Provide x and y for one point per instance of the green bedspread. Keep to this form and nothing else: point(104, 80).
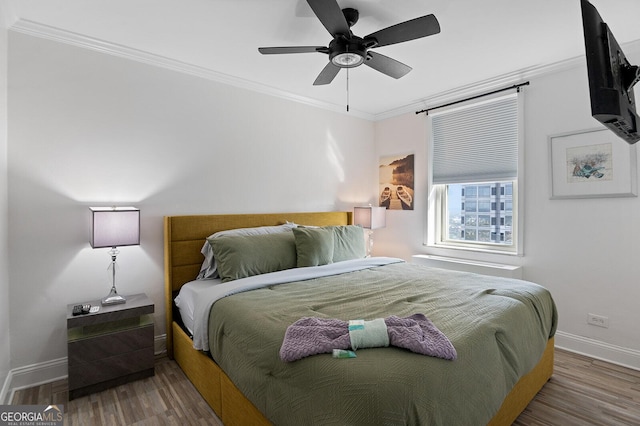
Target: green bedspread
point(498, 326)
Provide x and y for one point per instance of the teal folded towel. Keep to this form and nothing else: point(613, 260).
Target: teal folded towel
point(368, 334)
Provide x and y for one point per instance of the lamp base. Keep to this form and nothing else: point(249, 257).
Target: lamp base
point(370, 242)
point(113, 298)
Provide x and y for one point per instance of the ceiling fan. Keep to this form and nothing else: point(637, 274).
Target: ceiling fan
point(347, 50)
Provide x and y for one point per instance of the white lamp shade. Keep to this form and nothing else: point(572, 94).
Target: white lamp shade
point(115, 226)
point(370, 217)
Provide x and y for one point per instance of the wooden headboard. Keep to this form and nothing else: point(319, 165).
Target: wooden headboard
point(185, 235)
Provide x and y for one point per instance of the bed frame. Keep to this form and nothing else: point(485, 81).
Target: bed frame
point(183, 239)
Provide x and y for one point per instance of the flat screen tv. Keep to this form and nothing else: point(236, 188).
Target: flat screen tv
point(611, 77)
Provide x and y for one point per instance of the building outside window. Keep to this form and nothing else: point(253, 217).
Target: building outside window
point(480, 212)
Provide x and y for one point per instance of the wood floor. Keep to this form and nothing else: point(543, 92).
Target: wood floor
point(168, 398)
point(582, 391)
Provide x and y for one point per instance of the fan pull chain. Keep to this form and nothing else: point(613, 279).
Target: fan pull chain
point(347, 89)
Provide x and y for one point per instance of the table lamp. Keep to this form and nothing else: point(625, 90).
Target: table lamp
point(369, 218)
point(114, 227)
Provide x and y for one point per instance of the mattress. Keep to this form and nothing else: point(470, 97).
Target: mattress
point(498, 326)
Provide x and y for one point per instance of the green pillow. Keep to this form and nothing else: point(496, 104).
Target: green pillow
point(240, 256)
point(348, 243)
point(314, 246)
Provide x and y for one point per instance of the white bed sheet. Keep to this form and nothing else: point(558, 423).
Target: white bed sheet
point(186, 299)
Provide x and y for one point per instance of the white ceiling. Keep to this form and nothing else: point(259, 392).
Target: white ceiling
point(480, 40)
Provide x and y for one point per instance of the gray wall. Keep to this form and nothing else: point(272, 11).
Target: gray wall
point(87, 128)
point(4, 253)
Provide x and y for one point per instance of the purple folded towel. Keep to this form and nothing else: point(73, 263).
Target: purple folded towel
point(311, 336)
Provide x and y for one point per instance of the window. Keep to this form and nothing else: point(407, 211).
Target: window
point(474, 166)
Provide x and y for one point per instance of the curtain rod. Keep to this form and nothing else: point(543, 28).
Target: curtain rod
point(515, 86)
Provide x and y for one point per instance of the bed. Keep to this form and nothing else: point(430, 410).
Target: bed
point(228, 378)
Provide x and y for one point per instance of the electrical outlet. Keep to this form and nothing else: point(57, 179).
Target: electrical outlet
point(598, 320)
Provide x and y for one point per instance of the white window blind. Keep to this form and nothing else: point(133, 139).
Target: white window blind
point(476, 143)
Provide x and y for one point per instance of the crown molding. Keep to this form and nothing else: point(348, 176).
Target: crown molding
point(62, 36)
point(495, 83)
point(480, 87)
point(47, 32)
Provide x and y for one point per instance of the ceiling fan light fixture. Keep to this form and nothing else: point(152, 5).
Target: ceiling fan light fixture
point(347, 60)
point(347, 50)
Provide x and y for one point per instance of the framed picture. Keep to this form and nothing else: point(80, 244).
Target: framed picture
point(395, 188)
point(592, 163)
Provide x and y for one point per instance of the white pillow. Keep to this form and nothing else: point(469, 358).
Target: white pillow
point(209, 268)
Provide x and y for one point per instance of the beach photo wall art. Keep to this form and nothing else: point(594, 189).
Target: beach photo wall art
point(396, 183)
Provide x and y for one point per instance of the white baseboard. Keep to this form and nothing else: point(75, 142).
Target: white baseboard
point(35, 375)
point(625, 357)
point(4, 391)
point(160, 344)
point(50, 371)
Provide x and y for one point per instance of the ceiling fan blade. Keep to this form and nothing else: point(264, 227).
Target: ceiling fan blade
point(409, 30)
point(387, 66)
point(331, 16)
point(327, 74)
point(291, 49)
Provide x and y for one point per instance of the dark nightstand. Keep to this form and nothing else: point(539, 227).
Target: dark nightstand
point(110, 347)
